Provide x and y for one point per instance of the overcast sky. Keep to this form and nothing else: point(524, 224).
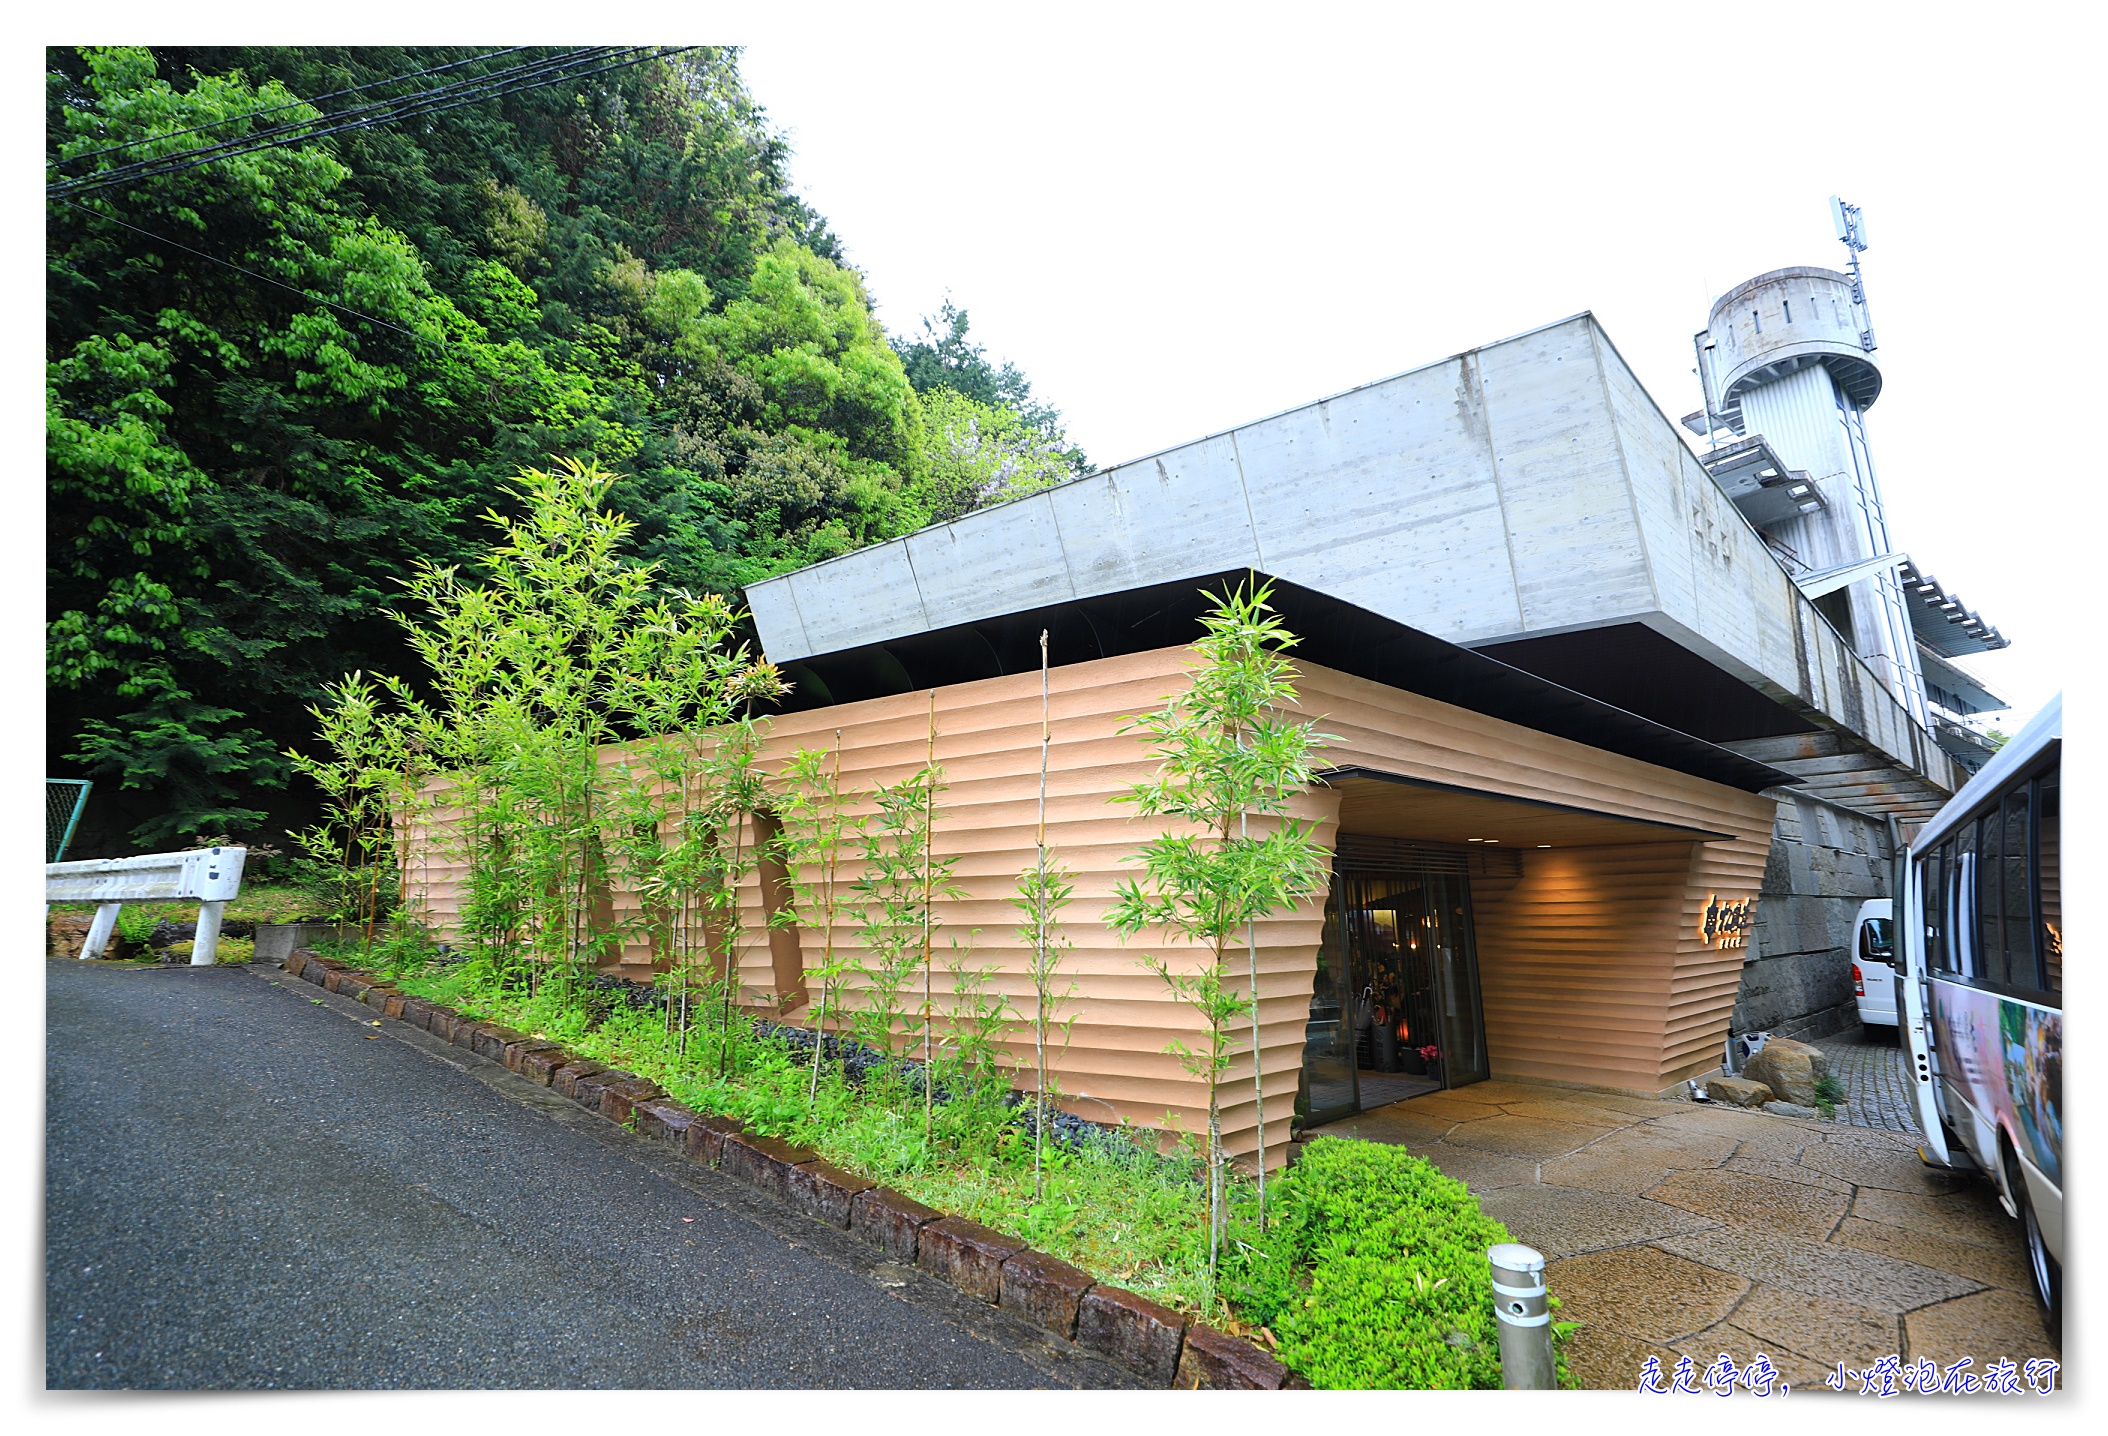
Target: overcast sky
point(1182, 223)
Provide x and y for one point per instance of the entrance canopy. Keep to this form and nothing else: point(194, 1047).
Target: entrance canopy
point(1383, 805)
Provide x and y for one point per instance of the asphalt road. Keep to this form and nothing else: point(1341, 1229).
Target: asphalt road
point(243, 1189)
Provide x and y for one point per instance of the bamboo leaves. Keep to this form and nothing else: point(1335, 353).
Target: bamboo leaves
point(817, 828)
point(1225, 753)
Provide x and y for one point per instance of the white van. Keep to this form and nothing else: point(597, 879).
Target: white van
point(1873, 968)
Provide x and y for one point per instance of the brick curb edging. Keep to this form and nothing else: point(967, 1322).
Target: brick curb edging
point(1132, 1330)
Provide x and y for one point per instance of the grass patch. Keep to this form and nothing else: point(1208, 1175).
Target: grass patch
point(259, 902)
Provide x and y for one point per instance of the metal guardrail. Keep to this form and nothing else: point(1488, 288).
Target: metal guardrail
point(210, 877)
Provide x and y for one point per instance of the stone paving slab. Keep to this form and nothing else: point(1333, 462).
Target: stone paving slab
point(1529, 1137)
point(1581, 1114)
point(1636, 1159)
point(1606, 1360)
point(1440, 1106)
point(1822, 1330)
point(1749, 1201)
point(2007, 1268)
point(1736, 1122)
point(1971, 1215)
point(1789, 1171)
point(1676, 1228)
point(1639, 1108)
point(1772, 1141)
point(1614, 1171)
point(1566, 1221)
point(1887, 1168)
point(1480, 1171)
point(1822, 1269)
point(1644, 1293)
point(1986, 1325)
point(1499, 1091)
point(1741, 1346)
point(1398, 1125)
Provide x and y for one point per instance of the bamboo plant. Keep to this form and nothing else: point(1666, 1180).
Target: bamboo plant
point(1226, 753)
point(1043, 890)
point(817, 828)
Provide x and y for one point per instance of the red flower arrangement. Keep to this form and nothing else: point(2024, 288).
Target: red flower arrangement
point(1431, 1052)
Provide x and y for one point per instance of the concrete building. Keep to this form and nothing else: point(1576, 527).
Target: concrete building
point(1613, 762)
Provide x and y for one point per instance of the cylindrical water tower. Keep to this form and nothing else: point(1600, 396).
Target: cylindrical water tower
point(1788, 355)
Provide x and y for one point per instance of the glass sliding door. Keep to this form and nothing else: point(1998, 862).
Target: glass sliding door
point(1456, 973)
point(1328, 1039)
point(1397, 975)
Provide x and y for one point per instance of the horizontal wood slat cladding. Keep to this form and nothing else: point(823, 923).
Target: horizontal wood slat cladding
point(1588, 939)
point(1591, 968)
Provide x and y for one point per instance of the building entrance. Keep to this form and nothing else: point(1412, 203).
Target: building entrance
point(1397, 976)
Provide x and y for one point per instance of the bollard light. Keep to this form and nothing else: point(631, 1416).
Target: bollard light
point(1523, 1305)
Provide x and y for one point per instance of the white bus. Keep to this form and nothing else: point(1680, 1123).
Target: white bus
point(1982, 987)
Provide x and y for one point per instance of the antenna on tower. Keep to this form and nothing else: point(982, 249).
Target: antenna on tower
point(1851, 230)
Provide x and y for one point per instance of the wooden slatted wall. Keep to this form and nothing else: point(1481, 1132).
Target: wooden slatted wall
point(1536, 967)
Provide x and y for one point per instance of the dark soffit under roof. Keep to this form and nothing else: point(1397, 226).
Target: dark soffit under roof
point(1334, 634)
point(1630, 666)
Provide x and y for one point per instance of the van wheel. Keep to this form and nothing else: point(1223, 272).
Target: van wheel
point(2047, 1271)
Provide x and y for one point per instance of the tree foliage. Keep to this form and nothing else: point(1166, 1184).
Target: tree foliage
point(279, 384)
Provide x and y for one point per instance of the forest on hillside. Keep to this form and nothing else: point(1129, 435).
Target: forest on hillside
point(286, 365)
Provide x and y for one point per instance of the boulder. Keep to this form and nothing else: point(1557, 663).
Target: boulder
point(1790, 1069)
point(1738, 1091)
point(1791, 1109)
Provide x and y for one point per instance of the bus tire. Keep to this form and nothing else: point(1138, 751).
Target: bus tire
point(2047, 1271)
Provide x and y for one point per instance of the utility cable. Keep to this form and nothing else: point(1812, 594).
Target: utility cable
point(423, 104)
point(493, 85)
point(288, 105)
point(242, 269)
point(400, 102)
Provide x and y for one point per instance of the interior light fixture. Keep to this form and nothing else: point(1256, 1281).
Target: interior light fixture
point(1544, 845)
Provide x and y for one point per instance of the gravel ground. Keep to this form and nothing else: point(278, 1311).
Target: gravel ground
point(243, 1189)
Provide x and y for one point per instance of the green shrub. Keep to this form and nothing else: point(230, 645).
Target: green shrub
point(1372, 1272)
point(135, 923)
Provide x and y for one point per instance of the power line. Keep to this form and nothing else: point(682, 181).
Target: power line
point(242, 269)
point(321, 125)
point(288, 105)
point(438, 100)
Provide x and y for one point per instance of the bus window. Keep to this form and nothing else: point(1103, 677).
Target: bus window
point(2019, 907)
point(1932, 886)
point(1961, 899)
point(1990, 964)
point(2048, 883)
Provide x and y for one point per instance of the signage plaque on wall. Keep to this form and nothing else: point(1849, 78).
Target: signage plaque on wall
point(1726, 921)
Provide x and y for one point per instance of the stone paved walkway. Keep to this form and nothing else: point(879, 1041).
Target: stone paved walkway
point(1876, 1080)
point(1680, 1229)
